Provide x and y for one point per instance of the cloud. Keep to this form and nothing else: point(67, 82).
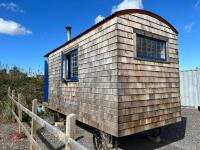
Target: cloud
point(10, 27)
point(98, 19)
point(125, 4)
point(128, 4)
point(11, 6)
point(197, 4)
point(188, 27)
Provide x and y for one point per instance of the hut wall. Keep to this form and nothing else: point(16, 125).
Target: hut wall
point(118, 93)
point(148, 91)
point(94, 98)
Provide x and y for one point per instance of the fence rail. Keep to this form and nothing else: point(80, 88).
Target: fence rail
point(66, 138)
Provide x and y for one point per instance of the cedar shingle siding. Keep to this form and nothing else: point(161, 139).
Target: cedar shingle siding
point(118, 92)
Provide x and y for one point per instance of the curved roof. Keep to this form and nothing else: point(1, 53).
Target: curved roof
point(116, 14)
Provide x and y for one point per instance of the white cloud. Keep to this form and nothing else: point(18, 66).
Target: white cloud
point(125, 4)
point(10, 27)
point(197, 4)
point(98, 19)
point(12, 7)
point(188, 27)
point(128, 4)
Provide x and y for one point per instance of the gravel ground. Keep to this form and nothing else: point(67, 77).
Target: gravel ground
point(9, 143)
point(82, 136)
point(184, 135)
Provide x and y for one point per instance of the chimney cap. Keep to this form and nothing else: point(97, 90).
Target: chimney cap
point(68, 27)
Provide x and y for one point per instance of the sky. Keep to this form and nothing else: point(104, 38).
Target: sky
point(31, 28)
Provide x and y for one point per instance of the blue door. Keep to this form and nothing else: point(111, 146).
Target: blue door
point(46, 80)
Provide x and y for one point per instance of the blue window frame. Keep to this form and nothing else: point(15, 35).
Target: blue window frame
point(150, 48)
point(69, 66)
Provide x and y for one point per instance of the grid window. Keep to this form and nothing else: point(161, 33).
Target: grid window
point(150, 48)
point(74, 61)
point(70, 63)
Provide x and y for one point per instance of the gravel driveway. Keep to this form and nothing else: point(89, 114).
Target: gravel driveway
point(9, 138)
point(184, 135)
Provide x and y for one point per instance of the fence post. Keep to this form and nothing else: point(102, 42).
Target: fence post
point(20, 111)
point(70, 128)
point(13, 105)
point(33, 123)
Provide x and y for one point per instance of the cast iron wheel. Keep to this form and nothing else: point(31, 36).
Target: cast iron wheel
point(96, 140)
point(104, 141)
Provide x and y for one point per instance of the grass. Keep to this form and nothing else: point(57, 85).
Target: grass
point(5, 108)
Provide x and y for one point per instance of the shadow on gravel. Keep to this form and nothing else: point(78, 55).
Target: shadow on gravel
point(169, 134)
point(79, 138)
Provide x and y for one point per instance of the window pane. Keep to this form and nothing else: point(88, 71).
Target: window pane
point(74, 57)
point(153, 42)
point(150, 48)
point(158, 50)
point(67, 67)
point(139, 46)
point(143, 50)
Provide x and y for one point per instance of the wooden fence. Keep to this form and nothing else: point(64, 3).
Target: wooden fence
point(66, 138)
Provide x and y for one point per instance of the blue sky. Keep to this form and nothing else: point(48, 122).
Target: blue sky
point(31, 28)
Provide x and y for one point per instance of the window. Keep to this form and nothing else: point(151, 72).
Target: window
point(150, 48)
point(69, 67)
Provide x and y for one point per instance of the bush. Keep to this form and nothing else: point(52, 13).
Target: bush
point(7, 107)
point(30, 85)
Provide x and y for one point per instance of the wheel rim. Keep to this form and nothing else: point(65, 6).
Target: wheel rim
point(104, 141)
